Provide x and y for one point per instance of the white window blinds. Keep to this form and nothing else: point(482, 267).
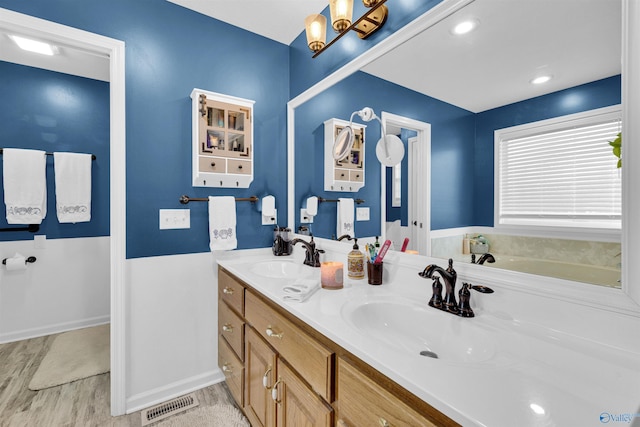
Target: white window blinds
point(560, 174)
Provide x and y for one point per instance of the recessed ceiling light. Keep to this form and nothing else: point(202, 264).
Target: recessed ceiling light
point(34, 45)
point(541, 79)
point(465, 27)
point(537, 409)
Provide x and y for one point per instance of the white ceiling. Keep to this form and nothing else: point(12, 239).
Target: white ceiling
point(279, 20)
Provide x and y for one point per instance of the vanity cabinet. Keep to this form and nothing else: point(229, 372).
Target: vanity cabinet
point(287, 374)
point(222, 140)
point(348, 174)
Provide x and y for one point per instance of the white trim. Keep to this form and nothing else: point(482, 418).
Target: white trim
point(158, 395)
point(115, 49)
point(25, 334)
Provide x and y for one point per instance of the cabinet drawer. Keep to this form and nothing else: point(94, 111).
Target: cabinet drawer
point(311, 359)
point(362, 402)
point(239, 166)
point(341, 175)
point(231, 291)
point(211, 164)
point(356, 176)
point(231, 327)
point(232, 369)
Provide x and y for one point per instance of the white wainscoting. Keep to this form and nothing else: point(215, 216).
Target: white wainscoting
point(172, 312)
point(66, 288)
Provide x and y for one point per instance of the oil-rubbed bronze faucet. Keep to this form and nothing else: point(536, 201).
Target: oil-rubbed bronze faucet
point(312, 255)
point(449, 304)
point(484, 257)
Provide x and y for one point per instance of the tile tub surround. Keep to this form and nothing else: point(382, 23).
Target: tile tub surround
point(604, 254)
point(557, 355)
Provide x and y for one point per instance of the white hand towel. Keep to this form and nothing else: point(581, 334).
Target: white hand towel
point(344, 224)
point(25, 185)
point(300, 290)
point(222, 223)
point(73, 186)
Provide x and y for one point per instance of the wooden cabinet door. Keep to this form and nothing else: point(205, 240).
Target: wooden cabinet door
point(260, 370)
point(297, 405)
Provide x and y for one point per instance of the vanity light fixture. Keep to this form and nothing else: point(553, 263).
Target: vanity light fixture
point(34, 45)
point(341, 22)
point(465, 27)
point(541, 79)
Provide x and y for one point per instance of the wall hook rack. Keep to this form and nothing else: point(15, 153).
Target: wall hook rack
point(357, 201)
point(32, 228)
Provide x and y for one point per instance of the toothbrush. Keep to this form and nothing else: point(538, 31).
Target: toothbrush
point(383, 251)
point(405, 244)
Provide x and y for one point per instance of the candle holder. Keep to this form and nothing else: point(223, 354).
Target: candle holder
point(332, 274)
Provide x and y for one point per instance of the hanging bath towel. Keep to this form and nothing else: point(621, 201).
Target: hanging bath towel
point(25, 185)
point(73, 187)
point(345, 217)
point(222, 223)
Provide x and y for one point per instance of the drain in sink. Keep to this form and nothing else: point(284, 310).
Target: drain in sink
point(428, 353)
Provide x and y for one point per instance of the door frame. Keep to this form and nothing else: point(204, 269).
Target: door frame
point(423, 130)
point(115, 50)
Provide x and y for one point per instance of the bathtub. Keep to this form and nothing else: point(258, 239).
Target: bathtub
point(599, 275)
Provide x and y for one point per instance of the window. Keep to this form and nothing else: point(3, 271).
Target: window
point(560, 172)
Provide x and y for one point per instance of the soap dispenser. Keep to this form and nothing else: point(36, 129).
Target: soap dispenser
point(355, 262)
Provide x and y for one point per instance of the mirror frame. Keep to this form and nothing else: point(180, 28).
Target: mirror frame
point(625, 300)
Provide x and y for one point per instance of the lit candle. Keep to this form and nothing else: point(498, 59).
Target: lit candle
point(331, 273)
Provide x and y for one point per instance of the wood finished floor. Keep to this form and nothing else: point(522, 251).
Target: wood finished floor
point(83, 403)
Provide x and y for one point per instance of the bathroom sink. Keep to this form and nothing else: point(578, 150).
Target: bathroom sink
point(283, 269)
point(418, 329)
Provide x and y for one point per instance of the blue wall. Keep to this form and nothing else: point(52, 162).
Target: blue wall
point(169, 51)
point(598, 94)
point(452, 131)
point(50, 111)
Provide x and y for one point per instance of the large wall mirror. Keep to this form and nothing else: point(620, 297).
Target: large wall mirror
point(464, 89)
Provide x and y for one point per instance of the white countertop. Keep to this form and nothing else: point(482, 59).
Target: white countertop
point(535, 377)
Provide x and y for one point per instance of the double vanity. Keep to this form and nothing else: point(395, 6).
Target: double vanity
point(379, 355)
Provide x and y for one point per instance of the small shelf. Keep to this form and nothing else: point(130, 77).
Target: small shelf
point(346, 175)
point(222, 140)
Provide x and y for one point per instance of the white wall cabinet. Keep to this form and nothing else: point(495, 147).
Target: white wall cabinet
point(347, 174)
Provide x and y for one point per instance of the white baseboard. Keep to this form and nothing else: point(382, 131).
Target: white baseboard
point(53, 329)
point(162, 394)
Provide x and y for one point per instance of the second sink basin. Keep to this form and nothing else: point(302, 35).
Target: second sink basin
point(282, 269)
point(419, 329)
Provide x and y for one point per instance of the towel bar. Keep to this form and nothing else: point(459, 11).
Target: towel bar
point(184, 199)
point(30, 259)
point(31, 228)
point(358, 201)
point(93, 156)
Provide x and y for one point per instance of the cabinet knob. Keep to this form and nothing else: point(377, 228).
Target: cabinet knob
point(213, 164)
point(383, 422)
point(227, 368)
point(239, 166)
point(265, 379)
point(227, 328)
point(341, 423)
point(227, 291)
point(274, 391)
point(273, 334)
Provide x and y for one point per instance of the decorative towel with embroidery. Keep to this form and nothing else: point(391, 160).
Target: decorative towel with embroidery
point(73, 187)
point(345, 217)
point(222, 223)
point(25, 185)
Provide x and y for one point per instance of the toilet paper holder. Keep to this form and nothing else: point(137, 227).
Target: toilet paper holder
point(30, 259)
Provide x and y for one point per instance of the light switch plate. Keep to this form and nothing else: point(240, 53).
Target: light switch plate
point(305, 218)
point(175, 218)
point(40, 241)
point(362, 214)
point(270, 220)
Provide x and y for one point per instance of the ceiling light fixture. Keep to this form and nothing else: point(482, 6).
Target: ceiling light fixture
point(465, 27)
point(541, 79)
point(341, 22)
point(34, 45)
